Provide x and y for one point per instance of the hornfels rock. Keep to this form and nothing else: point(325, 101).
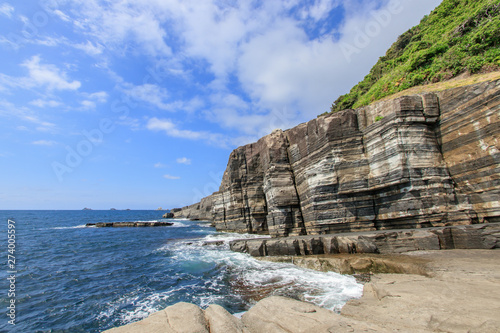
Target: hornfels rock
point(198, 211)
point(416, 161)
point(478, 236)
point(280, 314)
point(178, 318)
point(436, 293)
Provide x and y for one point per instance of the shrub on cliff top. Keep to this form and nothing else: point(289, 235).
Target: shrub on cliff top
point(458, 36)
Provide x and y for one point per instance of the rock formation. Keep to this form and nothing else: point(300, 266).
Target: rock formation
point(128, 224)
point(415, 161)
point(478, 236)
point(441, 291)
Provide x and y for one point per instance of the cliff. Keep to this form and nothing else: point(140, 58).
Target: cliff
point(416, 161)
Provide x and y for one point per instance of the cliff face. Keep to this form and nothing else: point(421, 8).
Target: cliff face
point(415, 161)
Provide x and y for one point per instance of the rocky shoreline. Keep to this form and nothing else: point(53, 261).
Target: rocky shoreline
point(426, 280)
point(408, 185)
point(128, 224)
point(439, 291)
point(477, 236)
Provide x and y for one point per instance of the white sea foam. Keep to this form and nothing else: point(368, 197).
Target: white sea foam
point(73, 227)
point(179, 224)
point(231, 276)
point(326, 289)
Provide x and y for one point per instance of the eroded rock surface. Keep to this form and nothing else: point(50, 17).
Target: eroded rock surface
point(452, 291)
point(477, 236)
point(416, 161)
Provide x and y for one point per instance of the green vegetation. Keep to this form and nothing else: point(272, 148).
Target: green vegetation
point(458, 36)
point(378, 118)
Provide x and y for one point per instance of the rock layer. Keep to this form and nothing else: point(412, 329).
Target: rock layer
point(416, 161)
point(478, 236)
point(128, 224)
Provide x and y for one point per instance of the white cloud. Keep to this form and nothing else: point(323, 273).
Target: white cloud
point(41, 103)
point(184, 160)
point(123, 25)
point(89, 48)
point(132, 123)
point(171, 177)
point(6, 9)
point(159, 165)
point(100, 96)
point(150, 93)
point(170, 129)
point(266, 58)
point(47, 75)
point(10, 110)
point(88, 105)
point(319, 9)
point(44, 143)
point(61, 15)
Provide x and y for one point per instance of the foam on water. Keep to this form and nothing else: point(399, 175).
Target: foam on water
point(98, 278)
point(73, 227)
point(252, 279)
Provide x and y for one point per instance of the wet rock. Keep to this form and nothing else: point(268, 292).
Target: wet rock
point(478, 236)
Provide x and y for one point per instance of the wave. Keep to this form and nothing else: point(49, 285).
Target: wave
point(252, 279)
point(73, 227)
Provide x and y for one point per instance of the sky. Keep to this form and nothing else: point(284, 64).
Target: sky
point(137, 104)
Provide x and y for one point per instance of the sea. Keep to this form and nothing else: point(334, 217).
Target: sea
point(58, 275)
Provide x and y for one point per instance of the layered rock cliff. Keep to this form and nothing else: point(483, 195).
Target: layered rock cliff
point(415, 161)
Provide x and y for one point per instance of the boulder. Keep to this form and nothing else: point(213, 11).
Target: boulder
point(221, 321)
point(278, 314)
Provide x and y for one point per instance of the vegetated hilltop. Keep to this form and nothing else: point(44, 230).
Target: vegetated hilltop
point(458, 36)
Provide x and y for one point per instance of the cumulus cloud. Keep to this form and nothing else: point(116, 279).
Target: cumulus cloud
point(41, 103)
point(112, 23)
point(47, 75)
point(40, 75)
point(44, 143)
point(89, 48)
point(263, 56)
point(171, 177)
point(100, 96)
point(172, 130)
point(150, 93)
point(184, 160)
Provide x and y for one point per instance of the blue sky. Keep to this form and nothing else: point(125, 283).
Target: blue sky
point(138, 103)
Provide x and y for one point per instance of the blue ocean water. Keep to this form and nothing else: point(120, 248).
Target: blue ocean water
point(72, 278)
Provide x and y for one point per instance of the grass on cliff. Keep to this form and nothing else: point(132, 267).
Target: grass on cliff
point(459, 36)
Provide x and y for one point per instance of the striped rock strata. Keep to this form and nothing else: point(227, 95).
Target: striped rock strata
point(416, 161)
